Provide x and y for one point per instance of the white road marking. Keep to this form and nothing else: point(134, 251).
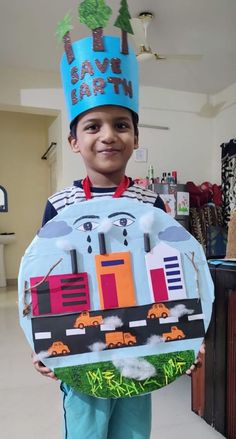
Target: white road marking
point(169, 320)
point(107, 328)
point(137, 323)
point(75, 331)
point(42, 335)
point(196, 317)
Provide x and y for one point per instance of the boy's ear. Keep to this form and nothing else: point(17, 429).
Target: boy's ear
point(136, 142)
point(74, 144)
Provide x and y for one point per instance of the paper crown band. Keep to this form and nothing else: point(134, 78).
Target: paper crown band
point(96, 78)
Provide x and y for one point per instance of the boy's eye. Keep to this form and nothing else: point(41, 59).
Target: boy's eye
point(88, 226)
point(123, 222)
point(122, 125)
point(93, 127)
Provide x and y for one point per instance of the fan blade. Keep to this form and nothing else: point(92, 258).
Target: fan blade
point(139, 32)
point(210, 110)
point(178, 57)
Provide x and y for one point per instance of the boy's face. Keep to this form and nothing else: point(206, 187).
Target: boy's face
point(105, 139)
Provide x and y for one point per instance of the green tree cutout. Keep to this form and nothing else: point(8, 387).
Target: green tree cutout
point(123, 22)
point(95, 14)
point(63, 34)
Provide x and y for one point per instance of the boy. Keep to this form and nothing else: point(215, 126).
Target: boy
point(101, 91)
point(105, 137)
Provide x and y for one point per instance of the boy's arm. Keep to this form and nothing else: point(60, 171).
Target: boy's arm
point(49, 213)
point(159, 203)
point(197, 362)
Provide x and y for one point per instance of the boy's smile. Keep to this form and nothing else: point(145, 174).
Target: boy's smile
point(105, 138)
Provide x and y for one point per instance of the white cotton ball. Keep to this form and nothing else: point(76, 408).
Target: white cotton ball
point(136, 368)
point(64, 244)
point(97, 347)
point(105, 226)
point(180, 310)
point(40, 356)
point(146, 222)
point(113, 321)
point(154, 340)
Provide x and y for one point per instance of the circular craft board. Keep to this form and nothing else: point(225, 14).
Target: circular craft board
point(115, 296)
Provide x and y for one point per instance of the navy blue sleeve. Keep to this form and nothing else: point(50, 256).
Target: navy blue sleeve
point(49, 213)
point(159, 203)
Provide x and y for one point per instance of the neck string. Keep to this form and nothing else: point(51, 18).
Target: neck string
point(121, 188)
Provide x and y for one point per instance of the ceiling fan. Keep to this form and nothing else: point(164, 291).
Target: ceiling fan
point(210, 110)
point(140, 26)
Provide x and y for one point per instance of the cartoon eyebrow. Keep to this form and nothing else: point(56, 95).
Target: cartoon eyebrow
point(121, 213)
point(86, 217)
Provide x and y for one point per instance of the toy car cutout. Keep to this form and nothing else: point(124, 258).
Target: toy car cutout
point(85, 319)
point(58, 348)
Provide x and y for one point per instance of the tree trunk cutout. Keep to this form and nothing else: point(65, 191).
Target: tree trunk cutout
point(98, 45)
point(124, 43)
point(68, 48)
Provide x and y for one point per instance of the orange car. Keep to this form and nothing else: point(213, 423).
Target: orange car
point(158, 310)
point(85, 319)
point(119, 338)
point(174, 334)
point(58, 348)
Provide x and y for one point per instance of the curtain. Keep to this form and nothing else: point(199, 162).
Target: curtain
point(228, 175)
point(203, 221)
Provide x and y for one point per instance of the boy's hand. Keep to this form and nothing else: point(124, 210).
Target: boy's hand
point(41, 368)
point(197, 362)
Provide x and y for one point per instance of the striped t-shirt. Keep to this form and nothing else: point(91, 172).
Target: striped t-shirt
point(75, 194)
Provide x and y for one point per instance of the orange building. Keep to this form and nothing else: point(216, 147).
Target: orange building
point(115, 280)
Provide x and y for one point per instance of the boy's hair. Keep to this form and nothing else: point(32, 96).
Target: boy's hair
point(74, 122)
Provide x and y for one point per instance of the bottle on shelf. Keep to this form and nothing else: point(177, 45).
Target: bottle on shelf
point(163, 179)
point(151, 174)
point(174, 176)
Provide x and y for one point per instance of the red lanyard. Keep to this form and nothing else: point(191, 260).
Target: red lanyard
point(121, 188)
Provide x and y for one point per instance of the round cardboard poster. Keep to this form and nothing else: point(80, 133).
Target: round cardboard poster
point(115, 296)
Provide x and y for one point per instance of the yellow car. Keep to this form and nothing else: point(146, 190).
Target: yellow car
point(158, 310)
point(58, 348)
point(86, 320)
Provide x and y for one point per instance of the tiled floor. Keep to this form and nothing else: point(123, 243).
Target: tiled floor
point(30, 404)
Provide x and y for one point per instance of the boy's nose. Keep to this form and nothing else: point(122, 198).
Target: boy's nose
point(108, 134)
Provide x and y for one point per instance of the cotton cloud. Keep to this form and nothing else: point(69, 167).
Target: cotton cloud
point(113, 321)
point(40, 356)
point(146, 222)
point(105, 225)
point(135, 368)
point(155, 340)
point(97, 347)
point(64, 244)
point(180, 310)
point(174, 234)
point(54, 229)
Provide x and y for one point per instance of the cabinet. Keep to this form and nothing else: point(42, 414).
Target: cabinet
point(214, 384)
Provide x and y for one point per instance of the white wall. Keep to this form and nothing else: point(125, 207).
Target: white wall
point(184, 145)
point(190, 146)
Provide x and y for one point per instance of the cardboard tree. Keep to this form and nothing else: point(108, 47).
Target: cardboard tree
point(95, 14)
point(123, 22)
point(63, 34)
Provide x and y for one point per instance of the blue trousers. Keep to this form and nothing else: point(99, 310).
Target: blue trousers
point(87, 417)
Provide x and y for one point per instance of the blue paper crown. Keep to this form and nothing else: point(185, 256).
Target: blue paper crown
point(94, 76)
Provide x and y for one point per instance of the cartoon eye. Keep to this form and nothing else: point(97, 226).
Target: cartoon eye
point(123, 222)
point(88, 226)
